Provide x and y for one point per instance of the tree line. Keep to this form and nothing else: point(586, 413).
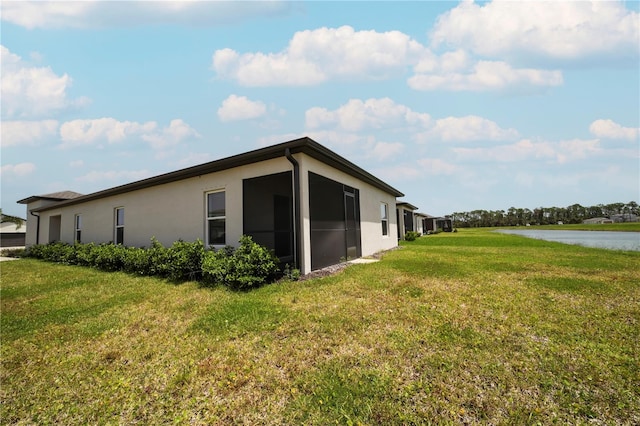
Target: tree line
point(574, 213)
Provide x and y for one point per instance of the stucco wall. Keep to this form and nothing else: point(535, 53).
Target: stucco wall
point(167, 212)
point(370, 198)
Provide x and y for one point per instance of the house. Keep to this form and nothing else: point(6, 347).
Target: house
point(433, 223)
point(624, 217)
point(419, 223)
point(312, 207)
point(597, 220)
point(405, 218)
point(12, 235)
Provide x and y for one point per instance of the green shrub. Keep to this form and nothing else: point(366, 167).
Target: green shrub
point(411, 235)
point(15, 253)
point(184, 261)
point(53, 252)
point(110, 257)
point(250, 265)
point(291, 274)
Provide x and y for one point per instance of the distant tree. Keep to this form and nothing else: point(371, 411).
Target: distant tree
point(574, 213)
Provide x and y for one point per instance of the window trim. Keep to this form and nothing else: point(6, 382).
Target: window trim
point(207, 219)
point(77, 228)
point(117, 226)
point(384, 220)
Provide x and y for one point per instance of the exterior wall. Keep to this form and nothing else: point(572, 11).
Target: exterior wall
point(32, 223)
point(177, 210)
point(167, 212)
point(419, 221)
point(372, 240)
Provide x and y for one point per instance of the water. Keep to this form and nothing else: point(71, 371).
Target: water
point(600, 239)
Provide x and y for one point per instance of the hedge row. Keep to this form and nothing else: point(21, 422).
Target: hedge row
point(250, 265)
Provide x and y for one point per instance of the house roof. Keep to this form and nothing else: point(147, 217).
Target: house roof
point(409, 206)
point(303, 145)
point(54, 196)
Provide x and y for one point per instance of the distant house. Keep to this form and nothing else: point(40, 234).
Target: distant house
point(12, 235)
point(433, 223)
point(597, 220)
point(405, 218)
point(624, 217)
point(419, 222)
point(312, 207)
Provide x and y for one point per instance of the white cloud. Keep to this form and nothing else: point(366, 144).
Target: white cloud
point(27, 133)
point(437, 166)
point(29, 91)
point(177, 132)
point(76, 164)
point(107, 129)
point(557, 29)
point(384, 151)
point(240, 108)
point(114, 176)
point(92, 14)
point(86, 132)
point(314, 56)
point(357, 115)
point(482, 76)
point(527, 150)
point(469, 128)
point(17, 170)
point(609, 129)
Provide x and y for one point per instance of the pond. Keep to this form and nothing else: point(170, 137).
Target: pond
point(600, 239)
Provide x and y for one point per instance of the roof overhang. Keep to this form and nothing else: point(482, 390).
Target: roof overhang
point(406, 205)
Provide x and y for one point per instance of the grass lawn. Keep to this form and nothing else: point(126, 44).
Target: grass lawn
point(473, 327)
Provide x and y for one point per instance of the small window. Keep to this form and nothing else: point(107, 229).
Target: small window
point(119, 228)
point(216, 218)
point(78, 229)
point(384, 218)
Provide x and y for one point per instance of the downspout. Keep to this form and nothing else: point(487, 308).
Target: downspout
point(37, 226)
point(296, 207)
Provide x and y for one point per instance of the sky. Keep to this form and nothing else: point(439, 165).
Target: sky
point(460, 106)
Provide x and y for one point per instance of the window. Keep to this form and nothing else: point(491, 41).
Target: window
point(216, 218)
point(384, 218)
point(119, 228)
point(77, 229)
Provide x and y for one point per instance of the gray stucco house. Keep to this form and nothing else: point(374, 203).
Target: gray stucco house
point(312, 207)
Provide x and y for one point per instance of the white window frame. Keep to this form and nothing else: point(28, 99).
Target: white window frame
point(117, 226)
point(384, 218)
point(208, 218)
point(77, 228)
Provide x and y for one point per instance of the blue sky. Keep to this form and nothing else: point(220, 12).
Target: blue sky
point(461, 106)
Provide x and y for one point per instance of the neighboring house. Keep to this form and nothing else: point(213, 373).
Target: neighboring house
point(419, 222)
point(625, 217)
point(312, 207)
point(12, 235)
point(597, 220)
point(405, 218)
point(432, 223)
